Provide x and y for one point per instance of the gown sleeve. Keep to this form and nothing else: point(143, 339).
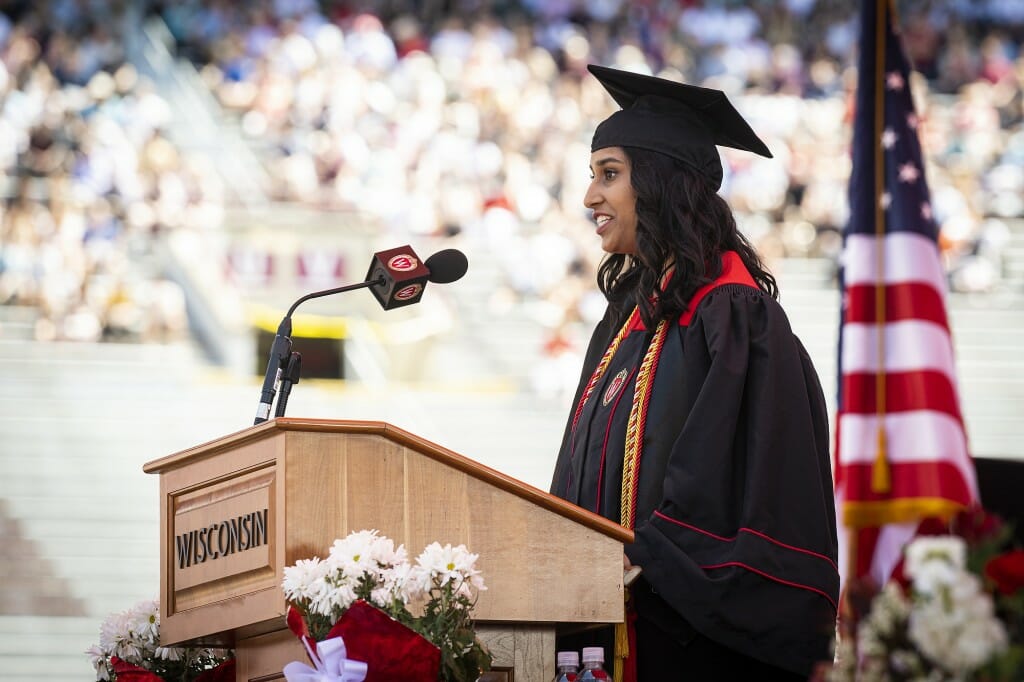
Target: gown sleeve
point(741, 542)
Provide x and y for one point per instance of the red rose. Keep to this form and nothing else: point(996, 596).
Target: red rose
point(977, 525)
point(1007, 571)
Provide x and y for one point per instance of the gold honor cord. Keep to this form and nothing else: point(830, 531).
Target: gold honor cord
point(602, 367)
point(880, 475)
point(636, 425)
point(631, 466)
point(633, 446)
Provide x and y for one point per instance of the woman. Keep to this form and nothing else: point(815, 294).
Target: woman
point(699, 420)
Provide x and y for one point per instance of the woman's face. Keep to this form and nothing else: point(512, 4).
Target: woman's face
point(610, 196)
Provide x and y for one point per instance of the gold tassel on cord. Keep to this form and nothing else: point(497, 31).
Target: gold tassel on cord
point(621, 650)
point(880, 479)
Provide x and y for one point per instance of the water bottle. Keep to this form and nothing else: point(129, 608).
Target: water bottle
point(567, 665)
point(593, 665)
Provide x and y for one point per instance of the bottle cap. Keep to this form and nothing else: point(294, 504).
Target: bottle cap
point(593, 654)
point(568, 658)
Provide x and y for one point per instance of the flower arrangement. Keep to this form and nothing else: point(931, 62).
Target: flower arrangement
point(366, 568)
point(954, 611)
point(129, 649)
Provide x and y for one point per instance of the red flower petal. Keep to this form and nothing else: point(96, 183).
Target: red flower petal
point(1007, 571)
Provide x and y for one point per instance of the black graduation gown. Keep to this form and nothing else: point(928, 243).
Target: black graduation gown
point(735, 520)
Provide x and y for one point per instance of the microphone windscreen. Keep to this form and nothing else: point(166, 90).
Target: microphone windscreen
point(447, 266)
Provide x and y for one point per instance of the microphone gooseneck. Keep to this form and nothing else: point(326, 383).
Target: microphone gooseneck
point(396, 278)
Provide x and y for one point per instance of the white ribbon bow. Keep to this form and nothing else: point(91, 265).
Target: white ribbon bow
point(331, 664)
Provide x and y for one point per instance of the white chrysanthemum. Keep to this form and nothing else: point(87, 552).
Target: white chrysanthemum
point(354, 555)
point(144, 621)
point(113, 630)
point(932, 561)
point(332, 598)
point(396, 575)
point(907, 662)
point(170, 653)
point(956, 627)
point(383, 552)
point(476, 579)
point(417, 583)
point(304, 579)
point(382, 596)
point(447, 564)
point(391, 580)
point(888, 611)
point(117, 638)
point(98, 659)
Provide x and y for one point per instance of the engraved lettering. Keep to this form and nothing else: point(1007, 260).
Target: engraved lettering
point(222, 538)
point(244, 524)
point(185, 544)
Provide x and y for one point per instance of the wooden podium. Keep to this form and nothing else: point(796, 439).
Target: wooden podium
point(234, 512)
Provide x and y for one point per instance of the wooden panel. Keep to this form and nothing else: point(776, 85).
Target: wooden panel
point(375, 472)
point(437, 505)
point(261, 659)
point(221, 533)
point(535, 653)
point(546, 550)
point(391, 433)
point(315, 498)
point(216, 597)
point(522, 652)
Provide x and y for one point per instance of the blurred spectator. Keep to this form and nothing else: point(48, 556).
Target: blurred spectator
point(88, 179)
point(474, 119)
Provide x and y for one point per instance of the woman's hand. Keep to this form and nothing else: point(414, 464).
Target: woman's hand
point(629, 572)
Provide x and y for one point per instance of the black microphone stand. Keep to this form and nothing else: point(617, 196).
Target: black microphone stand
point(283, 366)
point(288, 379)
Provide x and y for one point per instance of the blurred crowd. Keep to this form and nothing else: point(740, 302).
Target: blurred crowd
point(474, 118)
point(471, 120)
point(88, 177)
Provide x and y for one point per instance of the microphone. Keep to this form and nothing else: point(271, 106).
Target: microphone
point(280, 355)
point(396, 278)
point(447, 266)
point(404, 276)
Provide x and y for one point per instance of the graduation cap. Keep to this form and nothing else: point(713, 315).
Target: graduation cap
point(683, 121)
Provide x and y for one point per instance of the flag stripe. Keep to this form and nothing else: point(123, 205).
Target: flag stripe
point(908, 345)
point(908, 257)
point(920, 436)
point(887, 549)
point(915, 480)
point(904, 392)
point(903, 301)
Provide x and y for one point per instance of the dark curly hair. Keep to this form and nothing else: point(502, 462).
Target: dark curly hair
point(681, 223)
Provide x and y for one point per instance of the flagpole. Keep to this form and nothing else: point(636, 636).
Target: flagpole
point(880, 480)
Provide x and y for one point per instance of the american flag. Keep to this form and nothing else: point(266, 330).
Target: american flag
point(901, 446)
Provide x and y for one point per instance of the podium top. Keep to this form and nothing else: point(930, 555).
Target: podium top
point(395, 434)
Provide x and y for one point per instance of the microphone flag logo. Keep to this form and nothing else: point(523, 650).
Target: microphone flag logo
point(403, 262)
point(409, 292)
